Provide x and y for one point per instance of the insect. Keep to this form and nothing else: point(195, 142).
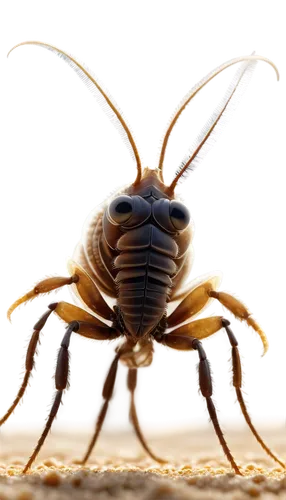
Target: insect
point(137, 250)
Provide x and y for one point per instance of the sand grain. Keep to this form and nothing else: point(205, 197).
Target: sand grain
point(196, 468)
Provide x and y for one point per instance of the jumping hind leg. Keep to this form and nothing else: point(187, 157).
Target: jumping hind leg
point(93, 329)
point(181, 342)
point(67, 312)
point(87, 291)
point(29, 362)
point(201, 329)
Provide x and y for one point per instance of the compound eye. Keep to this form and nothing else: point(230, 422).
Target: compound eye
point(120, 209)
point(179, 215)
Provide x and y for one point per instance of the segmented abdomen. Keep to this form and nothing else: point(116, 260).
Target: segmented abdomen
point(145, 266)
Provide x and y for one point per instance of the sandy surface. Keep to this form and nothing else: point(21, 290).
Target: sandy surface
point(118, 468)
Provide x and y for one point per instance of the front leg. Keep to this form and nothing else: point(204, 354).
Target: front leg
point(193, 299)
point(240, 311)
point(200, 295)
point(83, 286)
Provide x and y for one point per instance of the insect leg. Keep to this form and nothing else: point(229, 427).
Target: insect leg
point(106, 394)
point(88, 292)
point(131, 384)
point(194, 300)
point(121, 351)
point(88, 330)
point(42, 287)
point(90, 327)
point(240, 311)
point(30, 363)
point(237, 383)
point(206, 390)
point(61, 381)
point(205, 382)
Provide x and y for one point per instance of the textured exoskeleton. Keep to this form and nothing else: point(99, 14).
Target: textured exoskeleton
point(137, 248)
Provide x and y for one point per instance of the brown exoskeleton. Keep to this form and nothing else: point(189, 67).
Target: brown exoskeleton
point(137, 250)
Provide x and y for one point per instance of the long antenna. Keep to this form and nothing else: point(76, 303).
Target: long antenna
point(197, 88)
point(86, 76)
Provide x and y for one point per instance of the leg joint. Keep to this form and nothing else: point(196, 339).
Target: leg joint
point(53, 306)
point(230, 334)
point(73, 326)
point(197, 345)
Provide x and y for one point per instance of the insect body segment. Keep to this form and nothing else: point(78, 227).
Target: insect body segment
point(142, 242)
point(137, 250)
point(145, 264)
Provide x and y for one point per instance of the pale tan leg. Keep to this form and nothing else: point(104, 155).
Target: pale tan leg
point(88, 292)
point(196, 298)
point(84, 288)
point(45, 286)
point(240, 311)
point(89, 326)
